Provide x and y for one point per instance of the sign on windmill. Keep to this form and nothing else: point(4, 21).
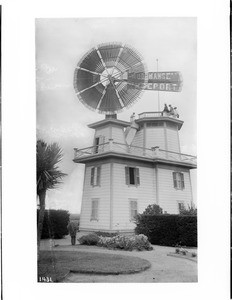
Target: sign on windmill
point(112, 76)
point(158, 81)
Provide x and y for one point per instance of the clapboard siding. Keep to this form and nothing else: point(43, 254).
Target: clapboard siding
point(138, 139)
point(122, 193)
point(103, 131)
point(102, 193)
point(172, 140)
point(155, 137)
point(168, 195)
point(118, 134)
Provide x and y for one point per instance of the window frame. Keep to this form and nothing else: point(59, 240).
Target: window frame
point(94, 214)
point(95, 176)
point(99, 141)
point(136, 176)
point(178, 180)
point(180, 203)
point(131, 209)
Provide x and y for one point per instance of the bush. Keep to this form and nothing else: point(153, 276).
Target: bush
point(106, 234)
point(153, 209)
point(54, 224)
point(168, 230)
point(89, 239)
point(129, 243)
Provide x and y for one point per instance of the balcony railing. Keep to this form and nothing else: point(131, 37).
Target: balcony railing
point(155, 114)
point(152, 153)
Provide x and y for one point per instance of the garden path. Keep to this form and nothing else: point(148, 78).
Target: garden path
point(163, 268)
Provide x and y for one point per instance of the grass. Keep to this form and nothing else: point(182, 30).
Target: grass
point(57, 264)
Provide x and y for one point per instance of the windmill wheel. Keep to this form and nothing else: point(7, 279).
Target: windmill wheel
point(103, 79)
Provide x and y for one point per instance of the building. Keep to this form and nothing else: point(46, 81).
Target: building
point(131, 165)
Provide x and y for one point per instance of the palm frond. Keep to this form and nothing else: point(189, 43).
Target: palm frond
point(48, 158)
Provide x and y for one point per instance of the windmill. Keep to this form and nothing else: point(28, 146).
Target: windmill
point(130, 164)
point(113, 76)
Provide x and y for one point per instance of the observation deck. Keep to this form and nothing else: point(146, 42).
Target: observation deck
point(158, 116)
point(153, 155)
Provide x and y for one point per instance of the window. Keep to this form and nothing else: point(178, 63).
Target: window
point(95, 176)
point(94, 210)
point(155, 124)
point(98, 143)
point(133, 209)
point(178, 180)
point(132, 176)
point(181, 206)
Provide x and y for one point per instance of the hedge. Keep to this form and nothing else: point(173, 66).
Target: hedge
point(55, 224)
point(168, 230)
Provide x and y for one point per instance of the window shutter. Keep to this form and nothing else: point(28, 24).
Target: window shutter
point(92, 176)
point(182, 180)
point(174, 179)
point(137, 179)
point(127, 175)
point(98, 175)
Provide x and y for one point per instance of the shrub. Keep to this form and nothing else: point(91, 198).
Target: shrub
point(106, 234)
point(54, 224)
point(168, 230)
point(129, 243)
point(153, 209)
point(89, 239)
point(194, 254)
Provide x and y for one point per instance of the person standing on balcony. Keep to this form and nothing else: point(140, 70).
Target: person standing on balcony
point(176, 114)
point(132, 118)
point(171, 110)
point(165, 111)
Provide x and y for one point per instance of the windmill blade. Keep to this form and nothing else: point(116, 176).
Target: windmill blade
point(101, 77)
point(110, 101)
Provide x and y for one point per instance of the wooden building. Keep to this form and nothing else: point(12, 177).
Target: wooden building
point(131, 165)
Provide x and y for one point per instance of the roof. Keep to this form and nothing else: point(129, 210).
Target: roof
point(109, 121)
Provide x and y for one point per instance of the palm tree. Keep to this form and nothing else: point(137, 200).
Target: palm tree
point(48, 176)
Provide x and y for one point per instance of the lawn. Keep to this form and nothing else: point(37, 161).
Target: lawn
point(54, 265)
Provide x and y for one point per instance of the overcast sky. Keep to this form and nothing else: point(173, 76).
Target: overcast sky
point(61, 43)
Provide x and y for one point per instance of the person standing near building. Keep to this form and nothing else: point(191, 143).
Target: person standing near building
point(132, 117)
point(73, 227)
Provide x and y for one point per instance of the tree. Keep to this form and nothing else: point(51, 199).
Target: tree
point(48, 176)
point(153, 209)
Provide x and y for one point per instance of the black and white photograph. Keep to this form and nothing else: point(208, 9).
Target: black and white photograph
point(116, 136)
point(116, 149)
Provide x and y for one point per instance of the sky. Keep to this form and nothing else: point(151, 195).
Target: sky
point(62, 118)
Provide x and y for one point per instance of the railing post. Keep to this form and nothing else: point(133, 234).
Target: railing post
point(111, 144)
point(155, 151)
